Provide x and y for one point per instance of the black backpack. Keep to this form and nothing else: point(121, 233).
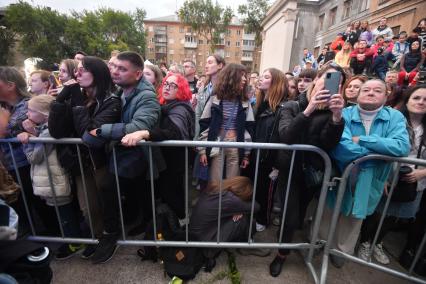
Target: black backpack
point(183, 262)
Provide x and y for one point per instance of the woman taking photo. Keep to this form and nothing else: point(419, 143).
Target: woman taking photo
point(228, 116)
point(97, 107)
point(177, 123)
point(273, 92)
point(315, 120)
point(351, 89)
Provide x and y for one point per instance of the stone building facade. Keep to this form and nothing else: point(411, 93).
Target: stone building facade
point(313, 24)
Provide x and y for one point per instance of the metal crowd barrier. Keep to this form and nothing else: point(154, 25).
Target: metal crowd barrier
point(256, 147)
point(343, 181)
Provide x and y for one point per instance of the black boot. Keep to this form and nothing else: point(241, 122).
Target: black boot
point(276, 265)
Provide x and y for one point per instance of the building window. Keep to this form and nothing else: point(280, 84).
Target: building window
point(396, 30)
point(333, 16)
point(200, 41)
point(172, 51)
point(247, 54)
point(228, 54)
point(321, 22)
point(237, 44)
point(238, 32)
point(228, 43)
point(181, 29)
point(228, 32)
point(347, 9)
point(189, 30)
point(151, 49)
point(364, 5)
point(172, 40)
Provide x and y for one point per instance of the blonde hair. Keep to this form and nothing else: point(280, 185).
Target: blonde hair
point(41, 103)
point(240, 186)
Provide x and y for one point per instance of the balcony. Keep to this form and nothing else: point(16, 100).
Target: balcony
point(248, 47)
point(160, 30)
point(247, 58)
point(190, 44)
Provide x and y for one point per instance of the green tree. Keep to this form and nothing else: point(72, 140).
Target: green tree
point(207, 20)
point(7, 42)
point(253, 13)
point(47, 34)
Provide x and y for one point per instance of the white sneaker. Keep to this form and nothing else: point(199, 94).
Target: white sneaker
point(380, 255)
point(260, 227)
point(363, 250)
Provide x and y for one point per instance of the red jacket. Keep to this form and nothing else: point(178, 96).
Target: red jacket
point(335, 44)
point(368, 52)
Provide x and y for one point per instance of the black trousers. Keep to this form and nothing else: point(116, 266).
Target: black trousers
point(370, 225)
point(299, 198)
point(136, 189)
point(170, 187)
point(416, 230)
point(360, 66)
point(263, 194)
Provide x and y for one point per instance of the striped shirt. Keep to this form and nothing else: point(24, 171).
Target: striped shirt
point(230, 109)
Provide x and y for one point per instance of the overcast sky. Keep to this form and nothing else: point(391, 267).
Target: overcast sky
point(154, 8)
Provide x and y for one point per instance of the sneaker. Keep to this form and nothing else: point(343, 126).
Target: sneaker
point(363, 250)
point(260, 227)
point(337, 261)
point(88, 252)
point(106, 248)
point(68, 250)
point(276, 221)
point(380, 255)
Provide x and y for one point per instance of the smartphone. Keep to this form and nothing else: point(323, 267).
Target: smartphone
point(422, 77)
point(332, 82)
point(4, 215)
point(52, 81)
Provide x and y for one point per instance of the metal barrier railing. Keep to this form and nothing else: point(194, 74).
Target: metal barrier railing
point(343, 182)
point(256, 147)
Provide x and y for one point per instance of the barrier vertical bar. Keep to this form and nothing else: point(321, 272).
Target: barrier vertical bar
point(24, 196)
point(219, 214)
point(382, 218)
point(86, 198)
point(290, 176)
point(253, 201)
point(114, 156)
point(419, 252)
point(151, 175)
point(52, 188)
point(186, 196)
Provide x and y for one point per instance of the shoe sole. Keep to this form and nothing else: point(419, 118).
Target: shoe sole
point(69, 256)
point(109, 258)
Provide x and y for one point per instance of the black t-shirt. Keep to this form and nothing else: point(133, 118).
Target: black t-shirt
point(193, 86)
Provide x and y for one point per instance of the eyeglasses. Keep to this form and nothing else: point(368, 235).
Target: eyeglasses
point(80, 71)
point(305, 80)
point(170, 86)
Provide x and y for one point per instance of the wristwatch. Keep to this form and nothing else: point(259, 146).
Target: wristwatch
point(99, 132)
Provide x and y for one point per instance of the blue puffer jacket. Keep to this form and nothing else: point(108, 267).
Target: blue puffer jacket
point(17, 115)
point(388, 136)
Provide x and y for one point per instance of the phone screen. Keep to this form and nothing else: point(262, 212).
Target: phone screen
point(332, 82)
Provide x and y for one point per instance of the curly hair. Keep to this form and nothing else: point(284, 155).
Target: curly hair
point(183, 91)
point(228, 83)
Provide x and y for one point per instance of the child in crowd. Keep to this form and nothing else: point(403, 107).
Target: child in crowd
point(49, 179)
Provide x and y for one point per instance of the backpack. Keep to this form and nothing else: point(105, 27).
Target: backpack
point(183, 262)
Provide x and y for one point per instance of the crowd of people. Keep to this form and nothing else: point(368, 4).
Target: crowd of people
point(378, 107)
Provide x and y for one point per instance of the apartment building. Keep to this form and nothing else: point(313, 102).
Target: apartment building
point(312, 24)
point(170, 41)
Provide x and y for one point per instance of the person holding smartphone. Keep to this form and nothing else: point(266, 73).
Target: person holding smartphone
point(315, 119)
